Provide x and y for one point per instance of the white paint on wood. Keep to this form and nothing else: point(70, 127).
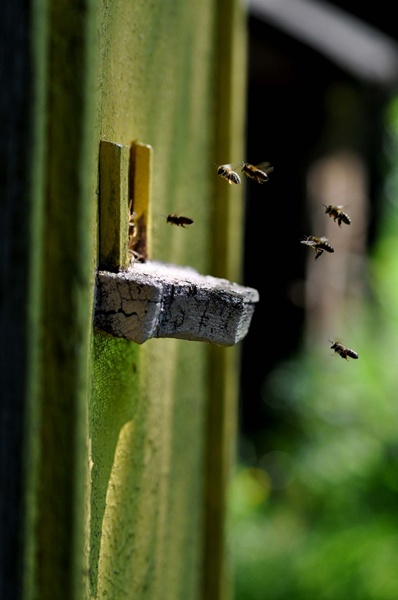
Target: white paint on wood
point(159, 300)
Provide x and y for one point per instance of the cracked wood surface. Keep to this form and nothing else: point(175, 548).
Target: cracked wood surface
point(158, 300)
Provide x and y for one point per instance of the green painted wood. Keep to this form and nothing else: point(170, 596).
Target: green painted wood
point(197, 122)
point(115, 404)
point(154, 549)
point(226, 261)
point(67, 279)
point(119, 497)
point(114, 175)
point(21, 151)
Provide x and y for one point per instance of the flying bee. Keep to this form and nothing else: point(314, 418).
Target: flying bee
point(319, 244)
point(259, 173)
point(343, 350)
point(226, 172)
point(337, 213)
point(179, 220)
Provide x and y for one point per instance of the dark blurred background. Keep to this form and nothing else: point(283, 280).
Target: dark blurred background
point(303, 103)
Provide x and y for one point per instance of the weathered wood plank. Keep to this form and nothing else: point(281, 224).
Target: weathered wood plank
point(166, 301)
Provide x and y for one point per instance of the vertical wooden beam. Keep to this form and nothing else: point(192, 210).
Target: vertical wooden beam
point(227, 245)
point(114, 203)
point(140, 195)
point(67, 279)
point(21, 172)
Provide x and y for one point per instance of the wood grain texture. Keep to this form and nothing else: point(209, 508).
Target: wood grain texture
point(113, 213)
point(166, 301)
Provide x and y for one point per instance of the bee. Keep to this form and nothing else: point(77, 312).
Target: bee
point(179, 220)
point(259, 173)
point(136, 257)
point(136, 236)
point(343, 350)
point(337, 213)
point(226, 172)
point(132, 225)
point(319, 244)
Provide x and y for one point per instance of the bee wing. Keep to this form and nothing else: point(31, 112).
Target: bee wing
point(309, 242)
point(265, 166)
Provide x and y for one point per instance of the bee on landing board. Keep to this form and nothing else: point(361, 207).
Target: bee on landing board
point(179, 220)
point(227, 173)
point(337, 213)
point(132, 225)
point(342, 350)
point(319, 244)
point(136, 236)
point(259, 173)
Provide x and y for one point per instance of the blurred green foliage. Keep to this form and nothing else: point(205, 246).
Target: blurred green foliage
point(316, 517)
